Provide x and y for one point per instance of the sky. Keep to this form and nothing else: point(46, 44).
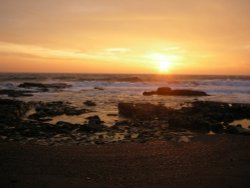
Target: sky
point(126, 36)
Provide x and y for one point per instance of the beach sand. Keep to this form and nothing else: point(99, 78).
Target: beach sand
point(206, 161)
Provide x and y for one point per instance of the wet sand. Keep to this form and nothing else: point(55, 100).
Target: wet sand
point(207, 161)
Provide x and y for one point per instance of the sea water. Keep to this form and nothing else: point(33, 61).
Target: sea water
point(114, 88)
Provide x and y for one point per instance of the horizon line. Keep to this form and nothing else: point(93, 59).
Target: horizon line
point(166, 74)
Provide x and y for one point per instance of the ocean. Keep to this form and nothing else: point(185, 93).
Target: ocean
point(107, 90)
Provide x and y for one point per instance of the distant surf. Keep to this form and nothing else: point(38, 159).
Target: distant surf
point(109, 88)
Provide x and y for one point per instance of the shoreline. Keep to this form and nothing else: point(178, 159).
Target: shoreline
point(207, 161)
point(29, 122)
point(200, 144)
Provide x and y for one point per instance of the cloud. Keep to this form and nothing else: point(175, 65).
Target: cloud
point(109, 54)
point(41, 51)
point(116, 50)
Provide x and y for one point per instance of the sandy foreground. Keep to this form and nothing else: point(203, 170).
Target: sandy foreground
point(207, 161)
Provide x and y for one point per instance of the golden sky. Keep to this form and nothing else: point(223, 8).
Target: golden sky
point(126, 36)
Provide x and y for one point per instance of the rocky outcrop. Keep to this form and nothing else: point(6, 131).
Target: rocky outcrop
point(145, 111)
point(177, 92)
point(52, 109)
point(44, 87)
point(144, 122)
point(16, 93)
point(202, 116)
point(89, 103)
point(11, 111)
point(95, 120)
point(99, 88)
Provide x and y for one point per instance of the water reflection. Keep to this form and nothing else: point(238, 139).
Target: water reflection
point(245, 123)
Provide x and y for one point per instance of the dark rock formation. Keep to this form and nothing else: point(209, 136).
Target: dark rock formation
point(95, 120)
point(89, 103)
point(177, 92)
point(16, 93)
point(149, 93)
point(144, 122)
point(145, 111)
point(51, 109)
point(99, 88)
point(163, 90)
point(11, 111)
point(95, 124)
point(202, 116)
point(44, 87)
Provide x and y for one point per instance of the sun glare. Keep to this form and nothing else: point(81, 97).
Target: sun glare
point(164, 66)
point(161, 62)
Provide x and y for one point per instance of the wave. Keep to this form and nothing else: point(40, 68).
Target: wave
point(210, 84)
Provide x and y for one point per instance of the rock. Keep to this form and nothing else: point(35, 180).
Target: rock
point(99, 88)
point(163, 90)
point(75, 112)
point(178, 92)
point(216, 128)
point(94, 120)
point(44, 87)
point(149, 93)
point(89, 103)
point(122, 123)
point(52, 109)
point(183, 92)
point(92, 128)
point(112, 115)
point(66, 126)
point(194, 123)
point(16, 93)
point(144, 111)
point(243, 131)
point(95, 124)
point(99, 142)
point(12, 111)
point(232, 129)
point(201, 116)
point(87, 128)
point(240, 126)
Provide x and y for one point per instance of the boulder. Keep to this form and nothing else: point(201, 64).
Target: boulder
point(178, 92)
point(16, 93)
point(94, 120)
point(44, 87)
point(89, 103)
point(145, 111)
point(185, 92)
point(95, 124)
point(12, 111)
point(201, 116)
point(149, 93)
point(163, 90)
point(99, 88)
point(56, 108)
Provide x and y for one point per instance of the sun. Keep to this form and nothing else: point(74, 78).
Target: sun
point(161, 62)
point(163, 66)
